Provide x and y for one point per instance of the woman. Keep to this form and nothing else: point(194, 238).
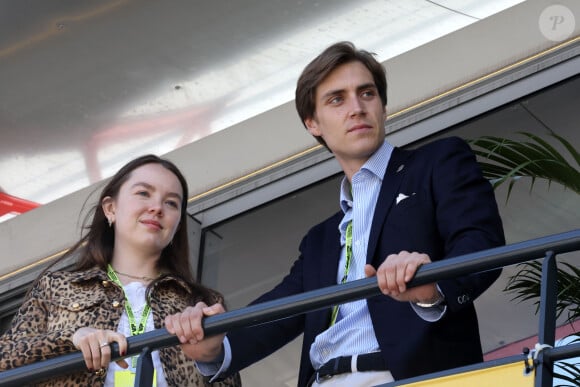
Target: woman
point(132, 272)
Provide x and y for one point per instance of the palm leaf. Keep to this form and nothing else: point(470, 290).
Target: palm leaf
point(569, 147)
point(572, 373)
point(506, 160)
point(525, 284)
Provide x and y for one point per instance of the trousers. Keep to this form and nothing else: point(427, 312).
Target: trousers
point(358, 379)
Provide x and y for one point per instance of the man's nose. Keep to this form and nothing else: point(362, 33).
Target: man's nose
point(356, 107)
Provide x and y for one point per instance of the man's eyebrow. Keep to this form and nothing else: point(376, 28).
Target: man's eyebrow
point(331, 93)
point(364, 86)
point(367, 86)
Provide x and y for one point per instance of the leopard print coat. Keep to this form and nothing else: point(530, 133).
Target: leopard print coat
point(62, 302)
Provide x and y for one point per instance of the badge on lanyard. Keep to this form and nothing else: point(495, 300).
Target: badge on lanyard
point(127, 377)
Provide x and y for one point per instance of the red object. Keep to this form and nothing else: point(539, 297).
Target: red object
point(14, 206)
point(516, 347)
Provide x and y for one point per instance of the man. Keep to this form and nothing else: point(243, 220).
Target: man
point(399, 210)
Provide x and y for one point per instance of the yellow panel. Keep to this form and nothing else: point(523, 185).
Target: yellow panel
point(511, 374)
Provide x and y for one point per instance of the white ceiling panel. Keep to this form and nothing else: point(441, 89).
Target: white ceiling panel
point(87, 86)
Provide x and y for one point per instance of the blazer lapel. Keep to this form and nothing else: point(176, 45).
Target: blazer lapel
point(390, 187)
point(330, 253)
point(324, 272)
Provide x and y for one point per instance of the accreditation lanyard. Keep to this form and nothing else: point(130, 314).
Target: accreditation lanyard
point(348, 246)
point(135, 329)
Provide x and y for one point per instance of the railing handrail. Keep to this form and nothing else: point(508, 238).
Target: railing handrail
point(309, 301)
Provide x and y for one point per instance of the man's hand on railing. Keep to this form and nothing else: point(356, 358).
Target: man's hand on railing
point(396, 271)
point(187, 326)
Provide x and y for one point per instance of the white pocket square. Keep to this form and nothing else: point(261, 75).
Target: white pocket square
point(402, 197)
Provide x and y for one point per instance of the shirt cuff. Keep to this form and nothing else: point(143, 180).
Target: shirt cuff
point(432, 314)
point(219, 366)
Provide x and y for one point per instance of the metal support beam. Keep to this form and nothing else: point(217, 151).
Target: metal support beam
point(547, 329)
point(144, 377)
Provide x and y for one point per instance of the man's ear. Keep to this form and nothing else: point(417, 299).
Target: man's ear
point(312, 126)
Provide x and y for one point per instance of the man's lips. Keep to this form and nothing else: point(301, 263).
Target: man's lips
point(359, 127)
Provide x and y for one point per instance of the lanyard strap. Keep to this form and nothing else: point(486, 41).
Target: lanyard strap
point(348, 246)
point(135, 330)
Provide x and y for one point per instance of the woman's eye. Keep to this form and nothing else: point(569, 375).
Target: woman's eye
point(173, 204)
point(142, 193)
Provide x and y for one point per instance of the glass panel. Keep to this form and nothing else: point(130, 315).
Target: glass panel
point(247, 255)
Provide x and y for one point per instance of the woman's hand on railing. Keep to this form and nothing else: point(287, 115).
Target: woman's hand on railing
point(96, 349)
point(187, 326)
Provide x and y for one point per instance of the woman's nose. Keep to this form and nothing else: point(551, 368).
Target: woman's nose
point(155, 208)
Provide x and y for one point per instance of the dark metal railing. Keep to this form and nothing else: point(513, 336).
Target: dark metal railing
point(306, 302)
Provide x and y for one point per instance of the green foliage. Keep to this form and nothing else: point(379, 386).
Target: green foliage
point(526, 285)
point(508, 160)
point(566, 371)
point(572, 374)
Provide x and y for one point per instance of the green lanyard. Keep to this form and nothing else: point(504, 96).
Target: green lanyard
point(348, 246)
point(135, 329)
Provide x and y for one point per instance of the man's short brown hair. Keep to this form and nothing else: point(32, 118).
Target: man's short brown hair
point(316, 71)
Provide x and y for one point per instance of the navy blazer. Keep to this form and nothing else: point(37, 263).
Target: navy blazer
point(450, 211)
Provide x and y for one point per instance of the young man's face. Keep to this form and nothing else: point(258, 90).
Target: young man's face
point(349, 115)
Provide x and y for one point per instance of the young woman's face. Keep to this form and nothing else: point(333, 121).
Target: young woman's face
point(147, 210)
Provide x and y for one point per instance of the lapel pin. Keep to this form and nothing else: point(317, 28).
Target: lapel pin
point(400, 168)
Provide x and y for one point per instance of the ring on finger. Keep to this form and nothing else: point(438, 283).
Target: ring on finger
point(104, 344)
point(100, 372)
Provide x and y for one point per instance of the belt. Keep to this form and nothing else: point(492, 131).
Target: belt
point(339, 365)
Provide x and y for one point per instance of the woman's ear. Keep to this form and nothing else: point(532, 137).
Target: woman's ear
point(108, 206)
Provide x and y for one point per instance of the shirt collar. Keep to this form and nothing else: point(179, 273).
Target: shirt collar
point(376, 164)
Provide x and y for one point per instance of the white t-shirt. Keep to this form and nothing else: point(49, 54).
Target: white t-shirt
point(135, 293)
